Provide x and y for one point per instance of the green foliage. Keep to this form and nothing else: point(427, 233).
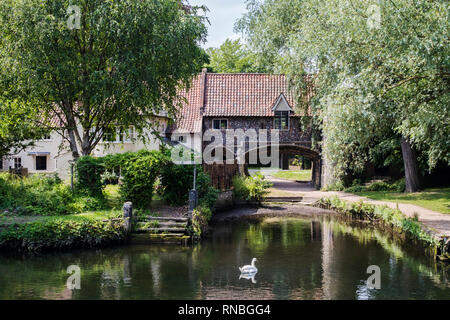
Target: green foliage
point(125, 63)
point(252, 188)
point(375, 83)
point(58, 233)
point(177, 180)
point(207, 194)
point(175, 183)
point(233, 57)
point(42, 195)
point(392, 218)
point(139, 172)
point(18, 128)
point(89, 172)
point(36, 195)
point(200, 218)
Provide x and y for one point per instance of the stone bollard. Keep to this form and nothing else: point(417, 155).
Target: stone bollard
point(127, 215)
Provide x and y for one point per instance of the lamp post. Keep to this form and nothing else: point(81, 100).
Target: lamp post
point(72, 162)
point(193, 194)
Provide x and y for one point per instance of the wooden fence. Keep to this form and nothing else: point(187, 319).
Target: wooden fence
point(222, 174)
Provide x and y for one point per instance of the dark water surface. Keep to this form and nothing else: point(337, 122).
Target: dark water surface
point(297, 259)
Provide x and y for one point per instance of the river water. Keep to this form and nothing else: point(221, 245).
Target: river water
point(297, 259)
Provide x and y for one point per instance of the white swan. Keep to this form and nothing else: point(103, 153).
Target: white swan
point(249, 268)
point(248, 276)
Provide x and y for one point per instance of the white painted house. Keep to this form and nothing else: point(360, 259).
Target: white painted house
point(52, 154)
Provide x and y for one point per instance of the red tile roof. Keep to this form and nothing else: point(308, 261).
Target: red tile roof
point(244, 95)
point(189, 118)
point(232, 95)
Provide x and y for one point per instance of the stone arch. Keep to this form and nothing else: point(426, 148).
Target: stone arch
point(292, 149)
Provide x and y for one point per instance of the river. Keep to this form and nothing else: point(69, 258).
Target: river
point(305, 258)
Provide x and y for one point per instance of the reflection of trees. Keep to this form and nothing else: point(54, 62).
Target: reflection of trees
point(297, 259)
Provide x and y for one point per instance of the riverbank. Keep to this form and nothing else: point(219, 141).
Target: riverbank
point(42, 234)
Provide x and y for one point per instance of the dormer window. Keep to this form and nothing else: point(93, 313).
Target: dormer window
point(281, 110)
point(281, 120)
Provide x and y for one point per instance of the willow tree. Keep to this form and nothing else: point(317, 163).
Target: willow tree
point(90, 64)
point(381, 68)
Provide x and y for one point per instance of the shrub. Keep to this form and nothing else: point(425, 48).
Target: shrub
point(200, 219)
point(176, 181)
point(139, 172)
point(397, 186)
point(337, 186)
point(35, 195)
point(89, 171)
point(207, 194)
point(252, 188)
point(393, 218)
point(59, 233)
point(42, 195)
point(355, 189)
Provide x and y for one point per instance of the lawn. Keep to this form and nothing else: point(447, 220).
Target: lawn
point(434, 199)
point(298, 175)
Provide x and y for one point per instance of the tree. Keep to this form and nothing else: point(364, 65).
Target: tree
point(233, 57)
point(18, 129)
point(381, 71)
point(92, 64)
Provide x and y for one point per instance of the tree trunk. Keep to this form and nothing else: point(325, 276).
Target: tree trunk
point(411, 168)
point(73, 145)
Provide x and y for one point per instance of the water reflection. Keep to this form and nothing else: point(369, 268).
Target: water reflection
point(298, 259)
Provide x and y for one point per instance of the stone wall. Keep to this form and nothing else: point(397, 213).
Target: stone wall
point(293, 134)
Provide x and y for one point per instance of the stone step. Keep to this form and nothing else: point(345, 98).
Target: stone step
point(172, 224)
point(161, 230)
point(167, 219)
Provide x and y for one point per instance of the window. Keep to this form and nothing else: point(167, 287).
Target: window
point(181, 139)
point(281, 120)
point(119, 134)
point(47, 137)
point(17, 163)
point(130, 134)
point(41, 163)
point(110, 134)
point(220, 124)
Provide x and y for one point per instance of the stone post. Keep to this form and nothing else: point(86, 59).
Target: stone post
point(127, 215)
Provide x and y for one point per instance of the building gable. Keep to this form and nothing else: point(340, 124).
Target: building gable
point(281, 104)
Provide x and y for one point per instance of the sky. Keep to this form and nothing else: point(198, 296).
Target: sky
point(222, 16)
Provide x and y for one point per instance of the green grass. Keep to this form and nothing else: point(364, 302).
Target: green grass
point(300, 175)
point(111, 193)
point(92, 215)
point(434, 199)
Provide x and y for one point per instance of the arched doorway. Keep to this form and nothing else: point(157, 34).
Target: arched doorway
point(286, 150)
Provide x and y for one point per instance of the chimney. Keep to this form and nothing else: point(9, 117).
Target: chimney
point(203, 92)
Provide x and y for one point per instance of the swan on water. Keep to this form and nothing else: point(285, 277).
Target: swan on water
point(249, 268)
